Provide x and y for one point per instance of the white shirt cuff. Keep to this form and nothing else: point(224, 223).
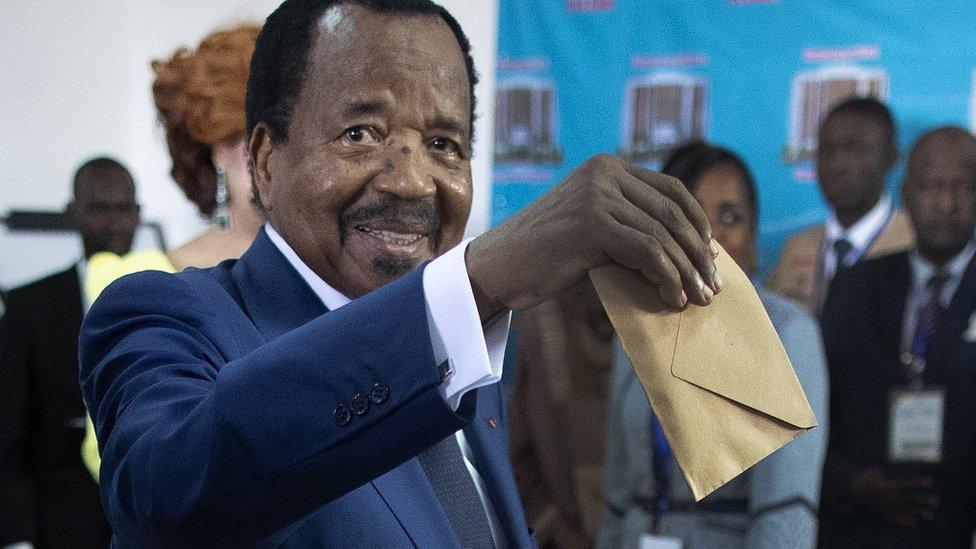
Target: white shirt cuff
point(474, 354)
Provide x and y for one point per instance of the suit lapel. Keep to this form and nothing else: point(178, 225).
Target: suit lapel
point(67, 300)
point(411, 498)
point(889, 309)
point(278, 300)
point(817, 283)
point(958, 315)
point(74, 307)
point(275, 296)
point(488, 438)
point(63, 313)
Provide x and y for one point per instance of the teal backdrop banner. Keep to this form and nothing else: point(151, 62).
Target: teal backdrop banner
point(637, 77)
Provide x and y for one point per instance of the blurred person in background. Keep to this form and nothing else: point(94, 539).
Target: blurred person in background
point(47, 499)
point(200, 99)
point(199, 95)
point(562, 370)
point(856, 151)
point(773, 504)
point(900, 336)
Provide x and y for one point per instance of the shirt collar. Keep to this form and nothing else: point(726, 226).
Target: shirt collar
point(82, 269)
point(861, 233)
point(955, 268)
point(330, 297)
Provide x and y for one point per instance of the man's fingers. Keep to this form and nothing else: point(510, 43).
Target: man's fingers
point(676, 191)
point(673, 217)
point(694, 285)
point(635, 250)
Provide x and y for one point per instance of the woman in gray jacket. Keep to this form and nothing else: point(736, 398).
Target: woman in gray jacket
point(772, 505)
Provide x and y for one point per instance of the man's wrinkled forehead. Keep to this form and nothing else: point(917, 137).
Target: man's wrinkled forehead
point(346, 29)
point(939, 151)
point(365, 49)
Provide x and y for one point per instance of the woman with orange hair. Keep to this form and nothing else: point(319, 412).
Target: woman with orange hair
point(199, 96)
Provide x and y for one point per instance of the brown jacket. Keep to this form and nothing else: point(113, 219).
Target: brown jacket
point(798, 273)
point(563, 364)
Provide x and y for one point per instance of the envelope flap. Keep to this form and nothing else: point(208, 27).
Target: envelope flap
point(717, 377)
point(763, 378)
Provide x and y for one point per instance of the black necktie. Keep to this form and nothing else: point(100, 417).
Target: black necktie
point(457, 493)
point(842, 248)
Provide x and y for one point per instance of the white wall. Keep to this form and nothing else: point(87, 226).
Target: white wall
point(74, 82)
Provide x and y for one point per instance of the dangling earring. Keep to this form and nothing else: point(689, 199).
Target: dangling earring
point(221, 215)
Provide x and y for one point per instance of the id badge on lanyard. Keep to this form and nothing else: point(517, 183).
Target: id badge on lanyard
point(661, 468)
point(916, 416)
point(650, 541)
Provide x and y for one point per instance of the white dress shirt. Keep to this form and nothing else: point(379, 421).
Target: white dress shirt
point(82, 269)
point(474, 353)
point(861, 235)
point(922, 271)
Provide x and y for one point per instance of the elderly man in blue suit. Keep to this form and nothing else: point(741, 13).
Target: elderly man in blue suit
point(337, 385)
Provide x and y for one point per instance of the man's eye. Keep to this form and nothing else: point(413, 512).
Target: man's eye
point(731, 218)
point(445, 145)
point(358, 134)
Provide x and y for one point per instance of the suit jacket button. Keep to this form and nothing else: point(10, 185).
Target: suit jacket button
point(379, 394)
point(360, 405)
point(342, 415)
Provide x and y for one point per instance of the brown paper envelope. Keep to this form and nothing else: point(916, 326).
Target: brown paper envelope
point(717, 377)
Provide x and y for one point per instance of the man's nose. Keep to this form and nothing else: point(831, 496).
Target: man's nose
point(839, 161)
point(945, 199)
point(406, 171)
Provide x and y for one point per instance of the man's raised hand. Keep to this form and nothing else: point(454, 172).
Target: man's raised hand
point(605, 211)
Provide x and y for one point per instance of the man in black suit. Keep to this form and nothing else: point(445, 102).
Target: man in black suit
point(900, 336)
point(47, 497)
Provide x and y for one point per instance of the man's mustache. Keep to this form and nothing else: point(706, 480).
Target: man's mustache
point(416, 211)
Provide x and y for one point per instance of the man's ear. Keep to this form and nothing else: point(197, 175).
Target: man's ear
point(259, 150)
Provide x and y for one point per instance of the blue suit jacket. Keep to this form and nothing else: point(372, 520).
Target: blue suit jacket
point(214, 395)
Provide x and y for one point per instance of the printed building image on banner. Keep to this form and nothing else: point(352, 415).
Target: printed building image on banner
point(526, 123)
point(816, 91)
point(637, 78)
point(662, 111)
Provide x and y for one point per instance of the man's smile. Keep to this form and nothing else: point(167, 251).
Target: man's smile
point(392, 241)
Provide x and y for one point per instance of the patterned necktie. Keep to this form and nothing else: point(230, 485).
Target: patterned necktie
point(928, 320)
point(457, 493)
point(842, 248)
